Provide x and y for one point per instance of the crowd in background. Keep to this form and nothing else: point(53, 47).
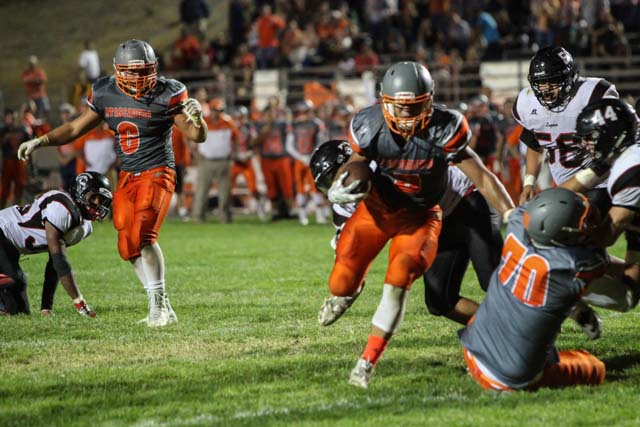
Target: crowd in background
point(282, 33)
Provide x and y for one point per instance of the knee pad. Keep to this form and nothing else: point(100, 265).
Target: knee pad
point(390, 312)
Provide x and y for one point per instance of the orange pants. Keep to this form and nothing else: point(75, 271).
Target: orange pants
point(414, 243)
point(245, 169)
point(278, 177)
point(13, 171)
point(140, 204)
point(576, 367)
point(303, 178)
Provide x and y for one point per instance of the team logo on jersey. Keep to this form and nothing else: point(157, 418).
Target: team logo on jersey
point(534, 112)
point(551, 125)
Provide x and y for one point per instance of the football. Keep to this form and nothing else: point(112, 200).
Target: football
point(357, 171)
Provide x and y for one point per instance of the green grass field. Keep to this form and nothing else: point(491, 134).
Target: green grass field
point(248, 350)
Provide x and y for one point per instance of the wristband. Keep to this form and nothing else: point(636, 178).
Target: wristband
point(587, 178)
point(529, 180)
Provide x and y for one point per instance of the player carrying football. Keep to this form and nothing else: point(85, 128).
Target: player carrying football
point(140, 109)
point(54, 220)
point(412, 143)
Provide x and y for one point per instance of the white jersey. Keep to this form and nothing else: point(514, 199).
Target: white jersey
point(458, 188)
point(554, 131)
point(624, 180)
point(24, 226)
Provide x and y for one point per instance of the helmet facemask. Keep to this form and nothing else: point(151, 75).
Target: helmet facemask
point(137, 77)
point(96, 205)
point(407, 114)
point(553, 92)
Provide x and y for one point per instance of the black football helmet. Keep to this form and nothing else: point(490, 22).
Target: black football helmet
point(136, 67)
point(407, 98)
point(559, 217)
point(325, 161)
point(92, 193)
point(552, 75)
point(607, 127)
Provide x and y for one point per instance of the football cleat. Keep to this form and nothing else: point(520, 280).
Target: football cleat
point(587, 319)
point(334, 307)
point(158, 313)
point(361, 374)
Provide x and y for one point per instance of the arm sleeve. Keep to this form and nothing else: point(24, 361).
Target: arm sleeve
point(49, 286)
point(529, 139)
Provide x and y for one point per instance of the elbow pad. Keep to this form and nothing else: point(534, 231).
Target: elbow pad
point(60, 264)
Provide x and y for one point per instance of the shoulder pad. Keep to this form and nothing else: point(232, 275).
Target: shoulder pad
point(365, 125)
point(449, 129)
point(172, 86)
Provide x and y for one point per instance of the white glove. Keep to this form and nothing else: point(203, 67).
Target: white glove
point(193, 110)
point(340, 194)
point(28, 147)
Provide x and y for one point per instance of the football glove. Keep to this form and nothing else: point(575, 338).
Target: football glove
point(28, 147)
point(192, 108)
point(341, 195)
point(84, 309)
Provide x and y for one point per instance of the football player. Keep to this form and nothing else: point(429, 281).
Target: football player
point(548, 110)
point(54, 220)
point(412, 143)
point(545, 268)
point(307, 132)
point(470, 232)
point(140, 108)
point(608, 129)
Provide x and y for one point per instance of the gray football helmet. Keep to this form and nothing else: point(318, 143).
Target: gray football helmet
point(559, 217)
point(136, 67)
point(407, 98)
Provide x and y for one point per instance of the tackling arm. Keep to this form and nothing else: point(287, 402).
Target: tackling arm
point(615, 223)
point(486, 182)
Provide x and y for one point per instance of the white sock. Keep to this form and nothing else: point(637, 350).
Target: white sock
point(153, 262)
point(139, 269)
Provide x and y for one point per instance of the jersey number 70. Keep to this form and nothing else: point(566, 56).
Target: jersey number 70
point(531, 273)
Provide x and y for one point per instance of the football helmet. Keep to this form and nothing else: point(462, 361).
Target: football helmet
point(559, 217)
point(325, 161)
point(552, 75)
point(136, 67)
point(407, 98)
point(92, 193)
point(606, 127)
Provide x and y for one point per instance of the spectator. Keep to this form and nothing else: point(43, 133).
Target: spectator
point(458, 33)
point(545, 13)
point(214, 163)
point(80, 90)
point(187, 47)
point(14, 174)
point(488, 29)
point(293, 45)
point(67, 153)
point(238, 22)
point(96, 152)
point(245, 62)
point(89, 61)
point(485, 135)
point(194, 15)
point(269, 27)
point(34, 79)
point(366, 58)
point(609, 38)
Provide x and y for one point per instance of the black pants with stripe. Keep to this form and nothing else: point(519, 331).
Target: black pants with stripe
point(13, 282)
point(470, 233)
